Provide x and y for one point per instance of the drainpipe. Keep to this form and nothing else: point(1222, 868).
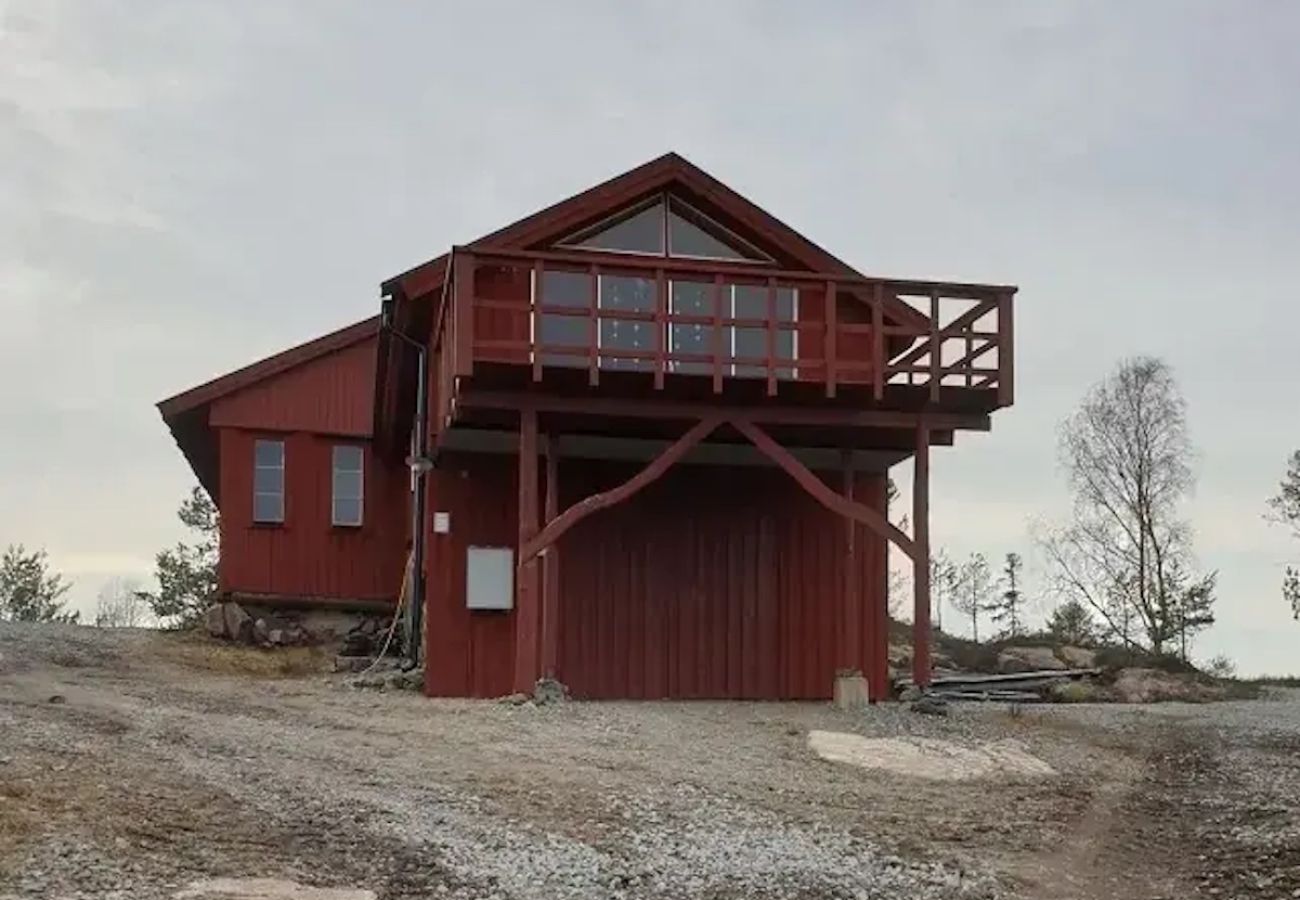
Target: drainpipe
point(419, 463)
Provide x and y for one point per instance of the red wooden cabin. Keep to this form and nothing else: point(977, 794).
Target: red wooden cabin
point(650, 456)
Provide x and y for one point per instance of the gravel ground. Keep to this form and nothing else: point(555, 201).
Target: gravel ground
point(158, 765)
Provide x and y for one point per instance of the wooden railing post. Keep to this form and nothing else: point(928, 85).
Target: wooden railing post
point(661, 327)
point(717, 334)
point(878, 343)
point(832, 328)
point(1006, 351)
point(593, 328)
point(771, 337)
point(921, 559)
point(463, 315)
point(535, 318)
point(936, 349)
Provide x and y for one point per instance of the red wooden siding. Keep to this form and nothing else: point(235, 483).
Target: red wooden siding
point(330, 395)
point(307, 556)
point(713, 582)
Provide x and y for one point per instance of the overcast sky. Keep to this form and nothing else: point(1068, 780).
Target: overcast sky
point(187, 187)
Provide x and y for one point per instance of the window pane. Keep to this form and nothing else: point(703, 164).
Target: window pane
point(268, 481)
point(750, 301)
point(564, 331)
point(268, 453)
point(785, 302)
point(691, 298)
point(688, 239)
point(623, 292)
point(349, 459)
point(641, 233)
point(347, 512)
point(566, 289)
point(751, 342)
point(268, 507)
point(347, 485)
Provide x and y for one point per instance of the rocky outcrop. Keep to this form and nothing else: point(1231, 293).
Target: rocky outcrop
point(231, 622)
point(1028, 659)
point(1077, 657)
point(1155, 686)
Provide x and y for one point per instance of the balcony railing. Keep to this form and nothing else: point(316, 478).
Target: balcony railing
point(684, 318)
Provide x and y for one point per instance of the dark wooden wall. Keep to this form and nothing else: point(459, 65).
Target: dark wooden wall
point(713, 582)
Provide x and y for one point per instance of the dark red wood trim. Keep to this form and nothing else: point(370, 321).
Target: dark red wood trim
point(771, 415)
point(583, 508)
point(463, 315)
point(538, 299)
point(832, 337)
point(878, 344)
point(936, 349)
point(1006, 350)
point(858, 512)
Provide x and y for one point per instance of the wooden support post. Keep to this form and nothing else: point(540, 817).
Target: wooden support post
point(527, 588)
point(551, 566)
point(851, 625)
point(921, 559)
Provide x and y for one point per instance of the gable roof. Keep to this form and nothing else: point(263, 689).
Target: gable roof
point(668, 171)
point(186, 413)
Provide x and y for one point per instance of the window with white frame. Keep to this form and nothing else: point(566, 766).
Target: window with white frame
point(268, 481)
point(349, 477)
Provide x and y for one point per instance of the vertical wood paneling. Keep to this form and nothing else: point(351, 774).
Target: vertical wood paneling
point(307, 556)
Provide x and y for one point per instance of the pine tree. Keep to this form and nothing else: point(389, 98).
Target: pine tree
point(1007, 608)
point(29, 591)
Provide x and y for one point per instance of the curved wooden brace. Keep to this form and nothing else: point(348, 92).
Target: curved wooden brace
point(833, 501)
point(583, 508)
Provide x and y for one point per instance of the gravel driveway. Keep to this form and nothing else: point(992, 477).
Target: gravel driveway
point(150, 771)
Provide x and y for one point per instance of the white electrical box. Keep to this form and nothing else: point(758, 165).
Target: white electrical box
point(442, 522)
point(490, 578)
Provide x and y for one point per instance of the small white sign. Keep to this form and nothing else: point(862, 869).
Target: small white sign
point(442, 523)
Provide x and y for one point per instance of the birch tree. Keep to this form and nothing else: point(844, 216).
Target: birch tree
point(1127, 553)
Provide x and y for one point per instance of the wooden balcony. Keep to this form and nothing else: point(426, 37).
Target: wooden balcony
point(626, 325)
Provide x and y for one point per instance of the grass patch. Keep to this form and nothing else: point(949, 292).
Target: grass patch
point(195, 650)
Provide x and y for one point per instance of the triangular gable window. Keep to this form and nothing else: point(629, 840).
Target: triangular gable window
point(666, 226)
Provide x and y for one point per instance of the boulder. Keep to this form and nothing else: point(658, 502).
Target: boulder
point(214, 620)
point(1028, 659)
point(850, 692)
point(1077, 657)
point(239, 624)
point(549, 690)
point(930, 706)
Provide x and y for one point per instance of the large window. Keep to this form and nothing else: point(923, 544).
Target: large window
point(349, 478)
point(739, 301)
point(268, 481)
point(665, 225)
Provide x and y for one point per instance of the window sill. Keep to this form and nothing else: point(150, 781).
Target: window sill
point(272, 526)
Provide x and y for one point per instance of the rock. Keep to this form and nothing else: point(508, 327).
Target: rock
point(1155, 686)
point(275, 637)
point(1028, 659)
point(1077, 657)
point(214, 620)
point(239, 624)
point(57, 698)
point(357, 643)
point(1077, 692)
point(930, 706)
point(900, 655)
point(260, 632)
point(519, 698)
point(346, 663)
point(548, 690)
point(910, 693)
point(850, 692)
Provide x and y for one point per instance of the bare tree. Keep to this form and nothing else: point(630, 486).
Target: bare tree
point(973, 586)
point(122, 603)
point(943, 583)
point(1127, 554)
point(1285, 508)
